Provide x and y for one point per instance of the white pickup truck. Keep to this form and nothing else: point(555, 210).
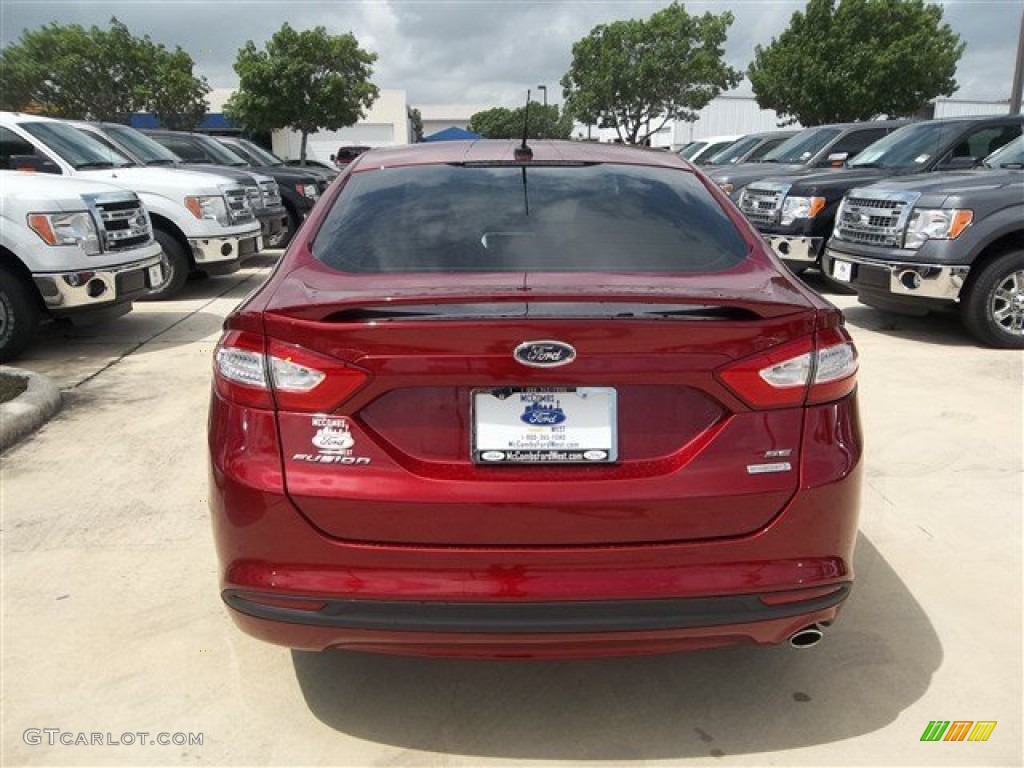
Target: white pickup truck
point(202, 222)
point(69, 248)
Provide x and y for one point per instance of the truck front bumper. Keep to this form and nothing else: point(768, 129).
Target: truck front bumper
point(214, 254)
point(79, 291)
point(898, 279)
point(797, 251)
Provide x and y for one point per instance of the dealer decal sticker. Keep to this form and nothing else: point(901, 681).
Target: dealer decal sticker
point(334, 443)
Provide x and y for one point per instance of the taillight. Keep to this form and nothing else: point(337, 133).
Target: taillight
point(796, 373)
point(251, 371)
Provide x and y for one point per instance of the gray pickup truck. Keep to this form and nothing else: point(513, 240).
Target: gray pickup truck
point(940, 242)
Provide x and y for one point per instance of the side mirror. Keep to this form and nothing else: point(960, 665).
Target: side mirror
point(836, 159)
point(33, 163)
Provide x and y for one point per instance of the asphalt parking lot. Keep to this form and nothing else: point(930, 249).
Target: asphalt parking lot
point(112, 623)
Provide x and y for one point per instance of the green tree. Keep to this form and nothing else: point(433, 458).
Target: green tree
point(635, 75)
point(66, 70)
point(857, 60)
point(500, 123)
point(305, 81)
point(416, 119)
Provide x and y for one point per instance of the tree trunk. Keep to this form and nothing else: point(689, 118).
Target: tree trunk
point(302, 148)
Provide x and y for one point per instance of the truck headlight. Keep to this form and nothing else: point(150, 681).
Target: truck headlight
point(801, 208)
point(307, 190)
point(936, 224)
point(211, 207)
point(76, 228)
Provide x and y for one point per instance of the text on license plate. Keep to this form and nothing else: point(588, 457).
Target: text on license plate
point(842, 271)
point(545, 425)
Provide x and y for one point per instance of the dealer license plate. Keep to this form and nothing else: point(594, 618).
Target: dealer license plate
point(573, 425)
point(842, 271)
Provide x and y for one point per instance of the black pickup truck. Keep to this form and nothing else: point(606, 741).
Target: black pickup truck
point(812, 149)
point(299, 189)
point(796, 214)
point(939, 242)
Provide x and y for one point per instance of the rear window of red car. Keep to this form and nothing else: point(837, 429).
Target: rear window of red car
point(511, 218)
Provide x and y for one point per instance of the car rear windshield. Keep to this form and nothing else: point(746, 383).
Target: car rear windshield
point(511, 218)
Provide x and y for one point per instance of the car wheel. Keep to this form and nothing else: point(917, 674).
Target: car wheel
point(174, 265)
point(994, 308)
point(19, 315)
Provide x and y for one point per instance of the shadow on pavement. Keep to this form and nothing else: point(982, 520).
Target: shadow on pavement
point(942, 328)
point(877, 660)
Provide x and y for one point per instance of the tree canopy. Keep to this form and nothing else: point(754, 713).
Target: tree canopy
point(305, 81)
point(857, 60)
point(501, 123)
point(637, 74)
point(66, 70)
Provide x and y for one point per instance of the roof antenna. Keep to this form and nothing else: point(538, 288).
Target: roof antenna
point(523, 151)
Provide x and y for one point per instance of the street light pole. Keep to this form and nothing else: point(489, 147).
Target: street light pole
point(545, 89)
point(1018, 71)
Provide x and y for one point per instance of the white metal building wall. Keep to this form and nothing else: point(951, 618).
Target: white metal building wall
point(957, 108)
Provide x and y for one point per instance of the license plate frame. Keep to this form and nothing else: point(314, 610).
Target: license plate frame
point(527, 425)
point(155, 275)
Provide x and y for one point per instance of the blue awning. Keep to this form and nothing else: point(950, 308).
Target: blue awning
point(452, 134)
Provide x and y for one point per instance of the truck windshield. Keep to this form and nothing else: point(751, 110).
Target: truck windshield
point(148, 151)
point(912, 146)
point(266, 158)
point(692, 149)
point(1010, 156)
point(77, 149)
point(482, 218)
point(801, 148)
point(219, 152)
point(735, 152)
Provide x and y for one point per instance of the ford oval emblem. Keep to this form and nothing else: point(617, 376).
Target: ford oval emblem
point(544, 354)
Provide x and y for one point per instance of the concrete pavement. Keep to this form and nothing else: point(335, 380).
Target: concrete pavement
point(112, 622)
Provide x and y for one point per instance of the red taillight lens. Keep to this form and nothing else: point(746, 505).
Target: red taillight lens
point(251, 371)
point(796, 373)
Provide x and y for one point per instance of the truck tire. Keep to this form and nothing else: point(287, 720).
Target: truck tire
point(174, 262)
point(19, 315)
point(993, 310)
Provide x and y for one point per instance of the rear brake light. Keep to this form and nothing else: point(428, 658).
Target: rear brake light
point(250, 371)
point(796, 373)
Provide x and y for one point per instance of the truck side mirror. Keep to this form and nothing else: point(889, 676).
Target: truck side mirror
point(836, 159)
point(33, 163)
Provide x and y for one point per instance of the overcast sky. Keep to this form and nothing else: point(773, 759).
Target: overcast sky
point(480, 52)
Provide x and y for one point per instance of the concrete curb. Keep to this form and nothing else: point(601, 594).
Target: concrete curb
point(29, 410)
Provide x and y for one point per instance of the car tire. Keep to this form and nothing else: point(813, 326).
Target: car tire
point(19, 315)
point(175, 265)
point(993, 310)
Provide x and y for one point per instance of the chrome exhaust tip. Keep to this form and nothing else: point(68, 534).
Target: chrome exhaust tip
point(806, 637)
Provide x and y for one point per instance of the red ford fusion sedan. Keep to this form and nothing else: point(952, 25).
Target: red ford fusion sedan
point(509, 402)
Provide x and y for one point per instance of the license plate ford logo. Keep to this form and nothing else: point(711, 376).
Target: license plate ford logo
point(544, 354)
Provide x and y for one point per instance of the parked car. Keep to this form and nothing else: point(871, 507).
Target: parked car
point(796, 214)
point(299, 189)
point(752, 148)
point(72, 249)
point(202, 222)
point(262, 191)
point(701, 151)
point(258, 157)
point(555, 402)
point(346, 155)
point(940, 242)
point(825, 146)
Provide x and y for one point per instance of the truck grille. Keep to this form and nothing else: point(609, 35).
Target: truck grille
point(125, 224)
point(254, 196)
point(761, 204)
point(239, 208)
point(874, 217)
point(271, 194)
